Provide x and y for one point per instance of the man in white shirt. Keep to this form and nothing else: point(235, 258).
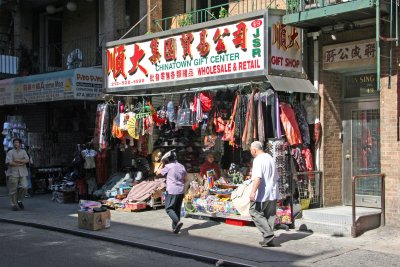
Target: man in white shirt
point(264, 193)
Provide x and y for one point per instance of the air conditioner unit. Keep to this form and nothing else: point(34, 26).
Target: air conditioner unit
point(8, 64)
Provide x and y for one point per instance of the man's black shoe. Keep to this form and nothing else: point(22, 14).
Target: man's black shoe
point(14, 208)
point(178, 227)
point(20, 205)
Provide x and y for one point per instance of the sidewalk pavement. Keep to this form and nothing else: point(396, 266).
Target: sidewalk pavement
point(218, 240)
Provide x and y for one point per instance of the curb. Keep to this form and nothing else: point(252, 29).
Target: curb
point(167, 251)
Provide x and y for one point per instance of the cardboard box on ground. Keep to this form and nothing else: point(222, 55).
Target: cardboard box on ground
point(94, 220)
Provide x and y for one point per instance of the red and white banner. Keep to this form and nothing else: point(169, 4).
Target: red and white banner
point(226, 49)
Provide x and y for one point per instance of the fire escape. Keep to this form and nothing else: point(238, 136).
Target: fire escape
point(8, 59)
point(336, 15)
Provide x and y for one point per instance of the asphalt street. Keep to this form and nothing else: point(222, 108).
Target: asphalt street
point(22, 246)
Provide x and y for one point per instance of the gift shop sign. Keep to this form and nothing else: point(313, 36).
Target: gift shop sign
point(215, 53)
point(285, 47)
point(351, 55)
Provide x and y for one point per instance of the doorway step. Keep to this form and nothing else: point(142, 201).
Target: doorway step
point(337, 221)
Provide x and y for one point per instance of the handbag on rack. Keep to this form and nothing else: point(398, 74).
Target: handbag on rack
point(162, 111)
point(229, 132)
point(184, 117)
point(218, 122)
point(206, 101)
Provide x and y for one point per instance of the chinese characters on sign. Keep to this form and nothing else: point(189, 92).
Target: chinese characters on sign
point(285, 47)
point(349, 52)
point(223, 50)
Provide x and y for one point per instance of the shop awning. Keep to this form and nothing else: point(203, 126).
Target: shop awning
point(75, 84)
point(288, 84)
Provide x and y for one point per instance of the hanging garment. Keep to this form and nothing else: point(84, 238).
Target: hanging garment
point(300, 113)
point(229, 133)
point(298, 157)
point(246, 126)
point(101, 167)
point(317, 134)
point(308, 159)
point(277, 116)
point(240, 119)
point(290, 125)
point(248, 131)
point(270, 105)
point(252, 123)
point(89, 157)
point(218, 122)
point(102, 126)
point(261, 132)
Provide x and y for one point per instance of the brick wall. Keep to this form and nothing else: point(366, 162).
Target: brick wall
point(390, 145)
point(331, 146)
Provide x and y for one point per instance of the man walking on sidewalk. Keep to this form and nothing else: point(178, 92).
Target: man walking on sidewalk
point(17, 173)
point(264, 193)
point(176, 175)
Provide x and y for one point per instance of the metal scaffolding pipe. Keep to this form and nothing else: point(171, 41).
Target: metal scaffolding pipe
point(378, 49)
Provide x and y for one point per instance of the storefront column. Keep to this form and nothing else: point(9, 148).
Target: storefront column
point(331, 146)
point(154, 15)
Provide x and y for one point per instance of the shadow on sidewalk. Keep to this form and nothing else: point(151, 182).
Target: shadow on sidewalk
point(283, 237)
point(185, 231)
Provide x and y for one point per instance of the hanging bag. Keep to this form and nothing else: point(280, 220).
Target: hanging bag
point(229, 132)
point(162, 111)
point(218, 122)
point(206, 101)
point(184, 113)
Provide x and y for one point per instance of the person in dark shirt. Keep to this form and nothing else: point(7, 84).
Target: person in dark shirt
point(209, 165)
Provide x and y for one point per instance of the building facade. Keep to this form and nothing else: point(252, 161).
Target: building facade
point(359, 94)
point(351, 55)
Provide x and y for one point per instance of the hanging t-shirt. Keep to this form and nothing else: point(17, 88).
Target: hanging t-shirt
point(89, 155)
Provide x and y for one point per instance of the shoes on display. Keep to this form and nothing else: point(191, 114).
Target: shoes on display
point(165, 143)
point(21, 205)
point(177, 227)
point(14, 208)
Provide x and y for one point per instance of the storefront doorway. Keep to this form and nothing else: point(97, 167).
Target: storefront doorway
point(361, 151)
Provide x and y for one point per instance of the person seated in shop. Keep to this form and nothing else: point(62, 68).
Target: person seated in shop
point(208, 165)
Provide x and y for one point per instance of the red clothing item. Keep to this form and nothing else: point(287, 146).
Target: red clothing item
point(290, 124)
point(206, 166)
